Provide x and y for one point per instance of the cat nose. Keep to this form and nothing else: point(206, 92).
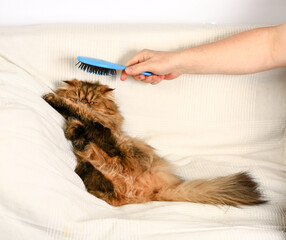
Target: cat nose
point(83, 101)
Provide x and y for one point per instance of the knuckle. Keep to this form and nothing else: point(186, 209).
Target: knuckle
point(146, 51)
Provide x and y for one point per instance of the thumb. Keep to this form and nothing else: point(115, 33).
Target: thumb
point(137, 68)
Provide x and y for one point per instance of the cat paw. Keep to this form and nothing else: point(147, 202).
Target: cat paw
point(107, 197)
point(74, 129)
point(49, 97)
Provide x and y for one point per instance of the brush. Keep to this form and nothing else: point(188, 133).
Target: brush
point(101, 67)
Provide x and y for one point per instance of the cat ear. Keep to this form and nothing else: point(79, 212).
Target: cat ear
point(72, 83)
point(105, 89)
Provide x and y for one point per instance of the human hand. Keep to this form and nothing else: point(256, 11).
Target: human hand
point(164, 66)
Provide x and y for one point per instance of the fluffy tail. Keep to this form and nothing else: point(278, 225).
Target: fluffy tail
point(237, 189)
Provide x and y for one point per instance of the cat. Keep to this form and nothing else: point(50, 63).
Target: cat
point(122, 170)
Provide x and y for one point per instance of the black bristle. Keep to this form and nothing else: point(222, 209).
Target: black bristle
point(96, 70)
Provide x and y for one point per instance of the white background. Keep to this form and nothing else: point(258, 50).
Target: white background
point(23, 12)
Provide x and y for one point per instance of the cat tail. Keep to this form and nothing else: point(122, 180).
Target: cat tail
point(234, 190)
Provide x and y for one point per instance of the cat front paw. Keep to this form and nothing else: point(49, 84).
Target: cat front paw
point(74, 129)
point(50, 97)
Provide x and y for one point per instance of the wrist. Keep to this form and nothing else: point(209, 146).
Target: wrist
point(184, 61)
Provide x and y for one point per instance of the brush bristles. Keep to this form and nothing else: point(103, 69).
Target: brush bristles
point(96, 70)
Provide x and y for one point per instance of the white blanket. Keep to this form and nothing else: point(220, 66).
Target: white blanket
point(206, 126)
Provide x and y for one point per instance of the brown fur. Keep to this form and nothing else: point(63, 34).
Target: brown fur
point(122, 170)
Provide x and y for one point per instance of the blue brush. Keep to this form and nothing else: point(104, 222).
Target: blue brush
point(101, 67)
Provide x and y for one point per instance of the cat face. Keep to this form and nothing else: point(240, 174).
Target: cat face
point(94, 95)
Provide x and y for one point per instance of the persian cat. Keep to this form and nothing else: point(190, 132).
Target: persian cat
point(120, 169)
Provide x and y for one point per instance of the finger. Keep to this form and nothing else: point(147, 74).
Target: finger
point(137, 58)
point(147, 79)
point(171, 76)
point(133, 60)
point(157, 77)
point(124, 75)
point(138, 68)
point(151, 79)
point(156, 82)
point(139, 77)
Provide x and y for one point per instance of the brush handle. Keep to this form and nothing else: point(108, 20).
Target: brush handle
point(147, 73)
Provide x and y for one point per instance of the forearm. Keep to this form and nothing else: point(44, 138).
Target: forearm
point(248, 52)
point(243, 53)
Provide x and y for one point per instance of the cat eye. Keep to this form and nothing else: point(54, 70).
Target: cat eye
point(76, 100)
point(92, 102)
